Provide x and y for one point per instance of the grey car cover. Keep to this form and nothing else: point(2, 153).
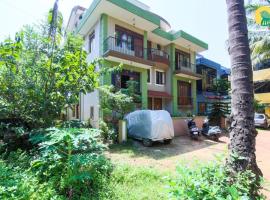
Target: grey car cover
point(148, 124)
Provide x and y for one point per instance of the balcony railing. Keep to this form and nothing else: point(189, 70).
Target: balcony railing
point(157, 55)
point(123, 46)
point(129, 48)
point(186, 66)
point(185, 101)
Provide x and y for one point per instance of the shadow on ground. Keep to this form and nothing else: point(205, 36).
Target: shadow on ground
point(180, 145)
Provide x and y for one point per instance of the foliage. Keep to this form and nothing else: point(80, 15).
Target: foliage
point(258, 35)
point(40, 75)
point(68, 164)
point(72, 160)
point(18, 182)
point(258, 107)
point(107, 131)
point(211, 181)
point(220, 107)
point(74, 124)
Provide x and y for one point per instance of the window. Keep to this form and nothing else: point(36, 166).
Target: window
point(91, 42)
point(148, 76)
point(73, 111)
point(77, 111)
point(182, 59)
point(158, 47)
point(160, 77)
point(92, 112)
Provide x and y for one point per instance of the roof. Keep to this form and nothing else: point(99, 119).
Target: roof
point(212, 64)
point(154, 23)
point(159, 94)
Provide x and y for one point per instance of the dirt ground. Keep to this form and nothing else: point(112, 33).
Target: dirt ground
point(183, 149)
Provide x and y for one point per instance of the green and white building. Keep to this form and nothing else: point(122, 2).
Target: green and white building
point(160, 59)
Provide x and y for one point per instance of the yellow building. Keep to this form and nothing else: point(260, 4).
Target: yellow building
point(262, 87)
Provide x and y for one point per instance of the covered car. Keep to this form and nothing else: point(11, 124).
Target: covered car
point(149, 126)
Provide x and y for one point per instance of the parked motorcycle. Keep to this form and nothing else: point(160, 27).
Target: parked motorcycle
point(193, 129)
point(211, 132)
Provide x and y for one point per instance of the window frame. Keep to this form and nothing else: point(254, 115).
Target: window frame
point(91, 42)
point(163, 77)
point(150, 76)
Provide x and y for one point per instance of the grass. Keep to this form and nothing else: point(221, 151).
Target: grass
point(138, 183)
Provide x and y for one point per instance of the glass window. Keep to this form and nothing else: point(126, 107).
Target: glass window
point(91, 42)
point(148, 76)
point(160, 78)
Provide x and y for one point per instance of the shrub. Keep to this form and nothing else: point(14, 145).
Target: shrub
point(74, 124)
point(17, 182)
point(72, 160)
point(67, 164)
point(108, 132)
point(211, 182)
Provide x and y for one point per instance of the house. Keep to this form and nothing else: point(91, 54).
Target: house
point(161, 60)
point(261, 78)
point(210, 72)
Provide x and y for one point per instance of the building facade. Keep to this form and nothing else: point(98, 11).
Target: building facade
point(161, 60)
point(261, 77)
point(210, 72)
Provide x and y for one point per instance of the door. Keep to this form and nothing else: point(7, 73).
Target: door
point(138, 47)
point(157, 104)
point(149, 50)
point(184, 93)
point(150, 103)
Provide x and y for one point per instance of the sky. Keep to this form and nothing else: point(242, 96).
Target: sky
point(204, 19)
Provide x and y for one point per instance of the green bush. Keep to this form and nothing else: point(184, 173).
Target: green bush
point(211, 182)
point(74, 124)
point(72, 159)
point(67, 164)
point(18, 182)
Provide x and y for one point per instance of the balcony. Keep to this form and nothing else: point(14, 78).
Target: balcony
point(187, 70)
point(158, 56)
point(127, 51)
point(185, 102)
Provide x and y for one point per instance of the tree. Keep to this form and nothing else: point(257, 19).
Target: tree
point(242, 131)
point(41, 72)
point(258, 35)
point(220, 107)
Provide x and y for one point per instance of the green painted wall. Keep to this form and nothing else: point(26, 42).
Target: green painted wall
point(103, 33)
point(107, 79)
point(145, 44)
point(175, 95)
point(174, 80)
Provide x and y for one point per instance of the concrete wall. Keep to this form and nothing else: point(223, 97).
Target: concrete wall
point(111, 26)
point(180, 125)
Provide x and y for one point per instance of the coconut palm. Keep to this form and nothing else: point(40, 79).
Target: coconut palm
point(242, 132)
point(259, 36)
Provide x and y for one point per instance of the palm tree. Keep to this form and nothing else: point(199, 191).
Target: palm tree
point(242, 132)
point(259, 36)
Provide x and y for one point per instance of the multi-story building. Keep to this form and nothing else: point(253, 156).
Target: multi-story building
point(261, 77)
point(161, 60)
point(210, 72)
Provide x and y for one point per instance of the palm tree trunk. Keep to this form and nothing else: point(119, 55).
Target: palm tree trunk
point(242, 131)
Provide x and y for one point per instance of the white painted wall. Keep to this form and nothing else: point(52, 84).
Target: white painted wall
point(91, 99)
point(112, 22)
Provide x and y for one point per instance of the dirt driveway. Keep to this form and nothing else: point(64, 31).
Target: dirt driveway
point(166, 157)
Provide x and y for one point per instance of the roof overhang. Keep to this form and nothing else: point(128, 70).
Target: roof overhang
point(119, 9)
point(180, 38)
point(159, 94)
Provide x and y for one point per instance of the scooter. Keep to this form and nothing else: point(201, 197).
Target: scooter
point(193, 129)
point(211, 132)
